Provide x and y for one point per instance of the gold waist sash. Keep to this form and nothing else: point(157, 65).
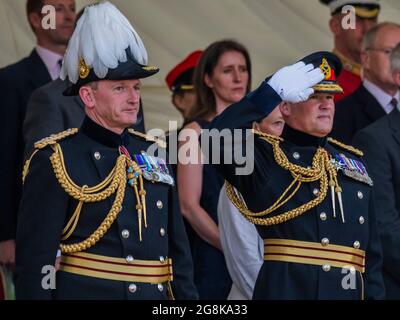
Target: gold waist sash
point(97, 266)
point(314, 253)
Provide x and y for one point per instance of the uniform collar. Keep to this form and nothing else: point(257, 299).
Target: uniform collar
point(102, 135)
point(348, 64)
point(300, 138)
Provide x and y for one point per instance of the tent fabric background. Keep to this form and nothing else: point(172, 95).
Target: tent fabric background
point(276, 32)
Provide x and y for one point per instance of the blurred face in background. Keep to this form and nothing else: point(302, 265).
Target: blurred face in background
point(273, 124)
point(396, 78)
point(376, 58)
point(184, 101)
point(314, 116)
point(65, 22)
point(229, 78)
point(348, 41)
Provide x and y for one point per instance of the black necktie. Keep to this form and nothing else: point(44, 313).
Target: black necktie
point(394, 102)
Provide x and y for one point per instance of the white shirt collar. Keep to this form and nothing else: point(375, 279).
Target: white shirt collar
point(381, 96)
point(50, 59)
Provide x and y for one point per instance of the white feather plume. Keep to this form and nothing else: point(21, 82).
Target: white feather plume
point(101, 37)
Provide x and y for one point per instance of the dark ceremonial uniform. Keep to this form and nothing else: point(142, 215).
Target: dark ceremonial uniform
point(115, 263)
point(310, 248)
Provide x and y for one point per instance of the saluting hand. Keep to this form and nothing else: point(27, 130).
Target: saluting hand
point(294, 83)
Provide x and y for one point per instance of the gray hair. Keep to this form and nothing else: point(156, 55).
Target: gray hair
point(370, 35)
point(395, 59)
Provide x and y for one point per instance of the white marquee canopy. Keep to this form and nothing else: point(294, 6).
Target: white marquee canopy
point(276, 32)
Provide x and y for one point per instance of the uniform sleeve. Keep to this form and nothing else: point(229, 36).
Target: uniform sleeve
point(248, 164)
point(241, 246)
point(182, 286)
point(42, 216)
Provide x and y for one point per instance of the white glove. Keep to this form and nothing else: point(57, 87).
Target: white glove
point(294, 83)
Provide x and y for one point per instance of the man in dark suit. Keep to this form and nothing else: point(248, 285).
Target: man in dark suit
point(374, 98)
point(381, 144)
point(17, 82)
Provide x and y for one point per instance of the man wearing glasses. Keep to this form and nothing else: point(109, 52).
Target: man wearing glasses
point(378, 95)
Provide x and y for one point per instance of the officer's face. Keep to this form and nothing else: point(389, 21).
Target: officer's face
point(115, 103)
point(314, 116)
point(229, 78)
point(376, 58)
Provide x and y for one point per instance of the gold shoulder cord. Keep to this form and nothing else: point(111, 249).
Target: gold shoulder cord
point(320, 169)
point(346, 147)
point(44, 143)
point(160, 143)
point(115, 182)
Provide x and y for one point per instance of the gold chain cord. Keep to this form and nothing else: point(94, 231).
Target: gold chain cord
point(115, 181)
point(320, 169)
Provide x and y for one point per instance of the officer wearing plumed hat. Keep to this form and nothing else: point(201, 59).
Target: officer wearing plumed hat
point(96, 194)
point(309, 196)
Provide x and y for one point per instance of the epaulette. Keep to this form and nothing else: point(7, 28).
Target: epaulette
point(346, 147)
point(161, 143)
point(266, 135)
point(54, 138)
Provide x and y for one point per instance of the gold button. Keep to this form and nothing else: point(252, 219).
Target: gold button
point(162, 259)
point(162, 232)
point(296, 155)
point(361, 220)
point(315, 192)
point(125, 234)
point(325, 242)
point(129, 259)
point(97, 155)
point(160, 287)
point(159, 204)
point(132, 288)
point(323, 216)
point(360, 195)
point(326, 267)
point(356, 244)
